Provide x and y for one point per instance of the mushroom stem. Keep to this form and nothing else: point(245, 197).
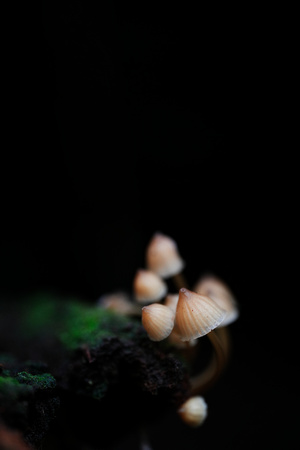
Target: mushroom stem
point(200, 383)
point(224, 336)
point(179, 280)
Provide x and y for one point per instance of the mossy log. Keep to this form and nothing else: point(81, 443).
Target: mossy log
point(28, 399)
point(100, 365)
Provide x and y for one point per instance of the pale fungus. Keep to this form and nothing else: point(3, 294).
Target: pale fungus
point(162, 256)
point(158, 321)
point(171, 301)
point(194, 411)
point(218, 291)
point(196, 315)
point(184, 317)
point(148, 286)
point(120, 303)
point(175, 340)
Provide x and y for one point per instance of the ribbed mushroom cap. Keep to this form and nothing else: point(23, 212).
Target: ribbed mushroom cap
point(148, 286)
point(196, 315)
point(217, 290)
point(171, 301)
point(162, 256)
point(158, 321)
point(175, 340)
point(194, 411)
point(120, 303)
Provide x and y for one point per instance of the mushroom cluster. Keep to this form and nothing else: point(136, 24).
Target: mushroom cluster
point(181, 317)
point(185, 316)
point(188, 314)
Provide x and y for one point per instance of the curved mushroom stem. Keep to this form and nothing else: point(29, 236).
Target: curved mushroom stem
point(179, 280)
point(200, 383)
point(224, 336)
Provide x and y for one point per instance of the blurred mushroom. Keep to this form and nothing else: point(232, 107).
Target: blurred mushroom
point(158, 321)
point(162, 256)
point(194, 411)
point(196, 315)
point(171, 301)
point(148, 286)
point(218, 291)
point(120, 303)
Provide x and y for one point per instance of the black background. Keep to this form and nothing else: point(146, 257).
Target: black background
point(127, 118)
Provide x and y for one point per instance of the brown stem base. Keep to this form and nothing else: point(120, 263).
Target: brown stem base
point(180, 281)
point(221, 344)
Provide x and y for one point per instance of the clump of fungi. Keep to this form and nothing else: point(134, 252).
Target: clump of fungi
point(184, 316)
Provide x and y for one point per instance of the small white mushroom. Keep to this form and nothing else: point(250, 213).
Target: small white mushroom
point(196, 315)
point(171, 301)
point(158, 321)
point(120, 303)
point(194, 411)
point(176, 341)
point(148, 286)
point(217, 290)
point(162, 256)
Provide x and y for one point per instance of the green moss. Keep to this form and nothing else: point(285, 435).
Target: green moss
point(71, 321)
point(28, 403)
point(89, 325)
point(7, 383)
point(11, 390)
point(42, 381)
point(24, 383)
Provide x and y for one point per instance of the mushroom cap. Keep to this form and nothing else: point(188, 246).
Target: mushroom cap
point(175, 339)
point(158, 321)
point(171, 301)
point(162, 256)
point(196, 315)
point(148, 286)
point(218, 291)
point(194, 411)
point(119, 302)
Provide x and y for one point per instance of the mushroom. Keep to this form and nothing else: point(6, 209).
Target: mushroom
point(158, 321)
point(120, 303)
point(162, 256)
point(171, 301)
point(176, 341)
point(217, 290)
point(148, 286)
point(196, 315)
point(194, 411)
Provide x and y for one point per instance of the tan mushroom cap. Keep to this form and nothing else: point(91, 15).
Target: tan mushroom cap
point(171, 301)
point(158, 321)
point(218, 291)
point(175, 339)
point(120, 303)
point(194, 411)
point(196, 315)
point(162, 256)
point(148, 286)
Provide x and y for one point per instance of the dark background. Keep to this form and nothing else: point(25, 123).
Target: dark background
point(127, 118)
